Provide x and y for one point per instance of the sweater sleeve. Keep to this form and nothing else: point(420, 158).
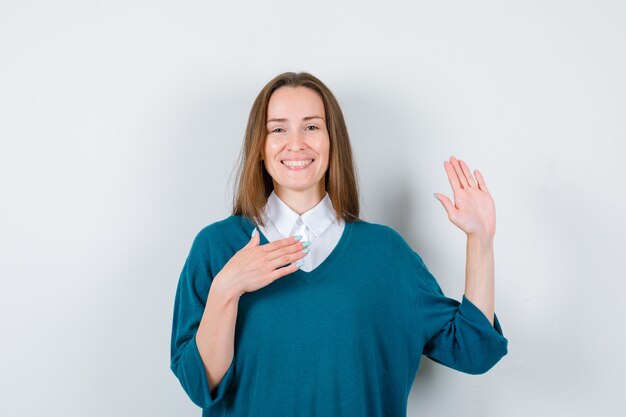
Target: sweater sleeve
point(456, 335)
point(186, 363)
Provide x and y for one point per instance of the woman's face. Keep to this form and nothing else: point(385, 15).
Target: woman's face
point(296, 133)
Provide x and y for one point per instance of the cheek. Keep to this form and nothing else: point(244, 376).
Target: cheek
point(270, 148)
point(323, 146)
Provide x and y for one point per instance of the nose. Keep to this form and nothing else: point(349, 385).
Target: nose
point(295, 141)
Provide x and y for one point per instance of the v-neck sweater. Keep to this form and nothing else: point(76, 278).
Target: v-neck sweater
point(344, 339)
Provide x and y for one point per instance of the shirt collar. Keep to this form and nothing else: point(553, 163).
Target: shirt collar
point(283, 217)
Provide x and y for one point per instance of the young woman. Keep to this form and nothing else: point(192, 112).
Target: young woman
point(294, 306)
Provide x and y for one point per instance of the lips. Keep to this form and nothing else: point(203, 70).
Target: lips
point(297, 164)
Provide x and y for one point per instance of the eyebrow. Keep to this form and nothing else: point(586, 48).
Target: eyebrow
point(304, 118)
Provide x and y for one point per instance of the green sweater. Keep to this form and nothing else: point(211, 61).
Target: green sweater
point(344, 339)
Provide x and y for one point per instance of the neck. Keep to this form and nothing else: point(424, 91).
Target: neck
point(300, 201)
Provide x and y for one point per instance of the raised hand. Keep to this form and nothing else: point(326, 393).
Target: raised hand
point(473, 210)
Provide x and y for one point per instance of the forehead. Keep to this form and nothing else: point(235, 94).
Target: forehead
point(295, 103)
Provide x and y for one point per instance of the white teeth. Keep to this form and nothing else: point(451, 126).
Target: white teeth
point(297, 163)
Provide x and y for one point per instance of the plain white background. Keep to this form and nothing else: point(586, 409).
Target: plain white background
point(120, 126)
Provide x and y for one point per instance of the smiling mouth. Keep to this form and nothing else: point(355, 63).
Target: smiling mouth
point(296, 165)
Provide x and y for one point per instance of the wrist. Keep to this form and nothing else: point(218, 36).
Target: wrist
point(224, 290)
point(482, 239)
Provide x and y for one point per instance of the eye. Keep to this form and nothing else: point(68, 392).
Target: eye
point(314, 126)
point(276, 129)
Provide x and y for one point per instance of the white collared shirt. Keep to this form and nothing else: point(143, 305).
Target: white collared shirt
point(318, 224)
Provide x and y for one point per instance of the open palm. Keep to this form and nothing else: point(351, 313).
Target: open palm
point(473, 210)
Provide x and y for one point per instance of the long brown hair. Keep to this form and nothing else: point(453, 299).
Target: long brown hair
point(254, 183)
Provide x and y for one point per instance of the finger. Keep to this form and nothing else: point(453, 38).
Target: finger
point(468, 174)
point(452, 177)
point(481, 180)
point(281, 272)
point(280, 243)
point(458, 171)
point(286, 250)
point(289, 254)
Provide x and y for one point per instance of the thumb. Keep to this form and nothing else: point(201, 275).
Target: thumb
point(255, 238)
point(447, 204)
